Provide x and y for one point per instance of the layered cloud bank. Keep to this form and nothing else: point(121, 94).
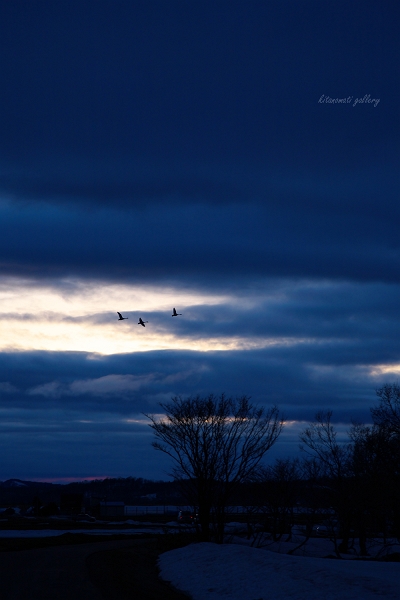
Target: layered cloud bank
point(177, 155)
point(305, 346)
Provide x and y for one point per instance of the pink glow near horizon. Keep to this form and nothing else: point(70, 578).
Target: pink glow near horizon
point(69, 479)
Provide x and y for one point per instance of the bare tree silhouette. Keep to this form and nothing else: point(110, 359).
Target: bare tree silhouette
point(216, 443)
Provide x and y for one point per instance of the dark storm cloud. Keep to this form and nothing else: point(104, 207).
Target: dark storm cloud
point(301, 379)
point(131, 183)
point(154, 77)
point(125, 102)
point(199, 243)
point(306, 310)
point(71, 405)
point(55, 431)
point(126, 183)
point(325, 340)
point(185, 144)
point(201, 127)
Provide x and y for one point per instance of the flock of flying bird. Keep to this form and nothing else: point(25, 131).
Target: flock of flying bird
point(141, 322)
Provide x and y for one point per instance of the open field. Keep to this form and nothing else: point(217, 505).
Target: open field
point(79, 567)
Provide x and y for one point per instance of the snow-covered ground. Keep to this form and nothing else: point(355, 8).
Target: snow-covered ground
point(240, 572)
point(318, 547)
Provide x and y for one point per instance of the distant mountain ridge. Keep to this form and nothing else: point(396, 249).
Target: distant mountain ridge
point(18, 483)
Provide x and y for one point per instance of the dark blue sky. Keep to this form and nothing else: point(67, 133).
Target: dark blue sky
point(192, 154)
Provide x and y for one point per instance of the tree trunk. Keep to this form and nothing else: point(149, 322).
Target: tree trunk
point(363, 541)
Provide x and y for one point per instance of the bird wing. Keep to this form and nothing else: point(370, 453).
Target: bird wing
point(120, 316)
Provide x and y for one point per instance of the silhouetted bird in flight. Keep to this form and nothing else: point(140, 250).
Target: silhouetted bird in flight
point(121, 318)
point(175, 314)
point(142, 322)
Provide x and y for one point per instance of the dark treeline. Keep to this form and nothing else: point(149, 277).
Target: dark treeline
point(350, 489)
point(130, 490)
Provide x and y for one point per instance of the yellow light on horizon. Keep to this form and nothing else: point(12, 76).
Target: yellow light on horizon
point(378, 370)
point(111, 339)
point(68, 316)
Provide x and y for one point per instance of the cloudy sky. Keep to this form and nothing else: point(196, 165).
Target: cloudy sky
point(236, 160)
